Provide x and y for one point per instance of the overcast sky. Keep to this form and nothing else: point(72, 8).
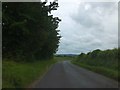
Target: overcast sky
point(87, 26)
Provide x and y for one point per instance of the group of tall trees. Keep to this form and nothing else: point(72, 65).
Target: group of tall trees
point(29, 30)
point(106, 58)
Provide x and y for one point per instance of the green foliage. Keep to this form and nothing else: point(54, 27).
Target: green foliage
point(29, 31)
point(106, 58)
point(105, 62)
point(99, 69)
point(20, 75)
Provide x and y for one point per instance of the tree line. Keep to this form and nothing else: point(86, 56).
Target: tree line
point(104, 58)
point(29, 30)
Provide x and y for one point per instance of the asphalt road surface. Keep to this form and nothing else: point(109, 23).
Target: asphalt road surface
point(66, 75)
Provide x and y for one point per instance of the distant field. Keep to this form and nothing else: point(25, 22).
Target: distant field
point(17, 75)
point(62, 58)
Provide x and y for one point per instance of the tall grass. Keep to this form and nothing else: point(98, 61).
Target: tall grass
point(19, 75)
point(104, 62)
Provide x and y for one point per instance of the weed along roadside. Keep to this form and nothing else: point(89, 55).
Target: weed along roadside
point(32, 43)
point(103, 62)
point(30, 38)
point(19, 75)
point(40, 77)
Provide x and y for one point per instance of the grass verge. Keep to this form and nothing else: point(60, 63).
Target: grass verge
point(102, 70)
point(20, 75)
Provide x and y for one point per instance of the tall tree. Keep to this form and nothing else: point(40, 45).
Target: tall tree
point(29, 31)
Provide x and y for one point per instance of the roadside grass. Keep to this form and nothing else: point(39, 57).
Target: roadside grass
point(22, 74)
point(114, 74)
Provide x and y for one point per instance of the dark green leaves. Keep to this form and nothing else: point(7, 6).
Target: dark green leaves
point(28, 31)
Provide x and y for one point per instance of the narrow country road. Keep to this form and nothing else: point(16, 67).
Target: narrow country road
point(66, 75)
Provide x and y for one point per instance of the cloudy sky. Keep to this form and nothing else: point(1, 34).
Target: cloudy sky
point(87, 26)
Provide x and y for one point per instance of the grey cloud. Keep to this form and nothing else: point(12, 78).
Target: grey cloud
point(89, 29)
point(102, 4)
point(92, 17)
